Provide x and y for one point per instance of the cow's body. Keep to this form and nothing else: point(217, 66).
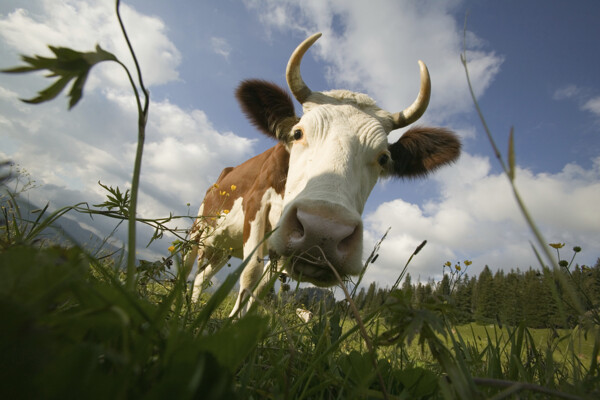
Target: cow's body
point(313, 185)
point(237, 211)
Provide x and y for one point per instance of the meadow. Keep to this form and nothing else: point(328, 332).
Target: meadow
point(77, 324)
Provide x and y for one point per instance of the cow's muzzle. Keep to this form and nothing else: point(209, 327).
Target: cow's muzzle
point(318, 237)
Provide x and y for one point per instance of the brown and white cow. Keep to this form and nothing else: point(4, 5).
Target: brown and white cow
point(313, 184)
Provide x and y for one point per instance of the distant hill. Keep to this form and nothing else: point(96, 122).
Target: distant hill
point(64, 231)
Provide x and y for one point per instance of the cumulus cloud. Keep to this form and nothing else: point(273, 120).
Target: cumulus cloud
point(593, 106)
point(220, 46)
point(376, 48)
point(477, 218)
point(566, 92)
point(580, 95)
point(69, 152)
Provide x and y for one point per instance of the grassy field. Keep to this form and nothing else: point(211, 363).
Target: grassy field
point(74, 325)
point(562, 340)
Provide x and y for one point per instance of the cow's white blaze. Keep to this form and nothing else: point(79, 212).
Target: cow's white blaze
point(333, 169)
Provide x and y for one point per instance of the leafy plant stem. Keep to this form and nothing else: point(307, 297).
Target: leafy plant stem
point(137, 167)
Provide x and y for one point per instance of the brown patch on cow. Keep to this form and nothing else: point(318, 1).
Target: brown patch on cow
point(422, 150)
point(268, 107)
point(251, 180)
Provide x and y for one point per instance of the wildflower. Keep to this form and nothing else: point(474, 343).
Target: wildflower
point(448, 264)
point(233, 187)
point(171, 249)
point(468, 262)
point(216, 185)
point(225, 211)
point(557, 245)
point(223, 193)
point(563, 263)
point(457, 266)
point(576, 249)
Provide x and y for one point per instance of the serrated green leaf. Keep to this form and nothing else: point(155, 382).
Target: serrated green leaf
point(50, 92)
point(67, 65)
point(18, 70)
point(76, 91)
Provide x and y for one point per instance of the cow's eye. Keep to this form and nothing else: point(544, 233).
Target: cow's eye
point(383, 159)
point(298, 134)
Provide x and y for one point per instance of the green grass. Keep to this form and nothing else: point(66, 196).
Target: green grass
point(561, 339)
point(74, 326)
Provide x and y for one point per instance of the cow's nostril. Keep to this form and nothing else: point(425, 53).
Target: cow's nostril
point(296, 229)
point(348, 244)
point(336, 239)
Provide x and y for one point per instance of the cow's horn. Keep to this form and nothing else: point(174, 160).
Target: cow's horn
point(292, 73)
point(416, 109)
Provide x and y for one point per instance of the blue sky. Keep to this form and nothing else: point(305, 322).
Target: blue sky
point(534, 66)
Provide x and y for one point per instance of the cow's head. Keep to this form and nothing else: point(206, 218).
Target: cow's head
point(338, 150)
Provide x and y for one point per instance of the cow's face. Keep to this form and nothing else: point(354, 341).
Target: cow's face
point(338, 150)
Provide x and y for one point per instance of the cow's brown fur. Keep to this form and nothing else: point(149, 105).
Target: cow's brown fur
point(422, 150)
point(268, 107)
point(251, 180)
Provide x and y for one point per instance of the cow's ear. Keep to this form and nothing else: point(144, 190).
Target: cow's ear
point(268, 107)
point(421, 150)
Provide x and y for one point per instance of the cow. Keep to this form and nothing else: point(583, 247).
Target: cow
point(309, 189)
point(304, 315)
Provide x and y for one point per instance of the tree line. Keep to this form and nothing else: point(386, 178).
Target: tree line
point(541, 298)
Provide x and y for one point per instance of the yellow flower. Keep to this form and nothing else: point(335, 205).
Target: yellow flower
point(467, 262)
point(233, 187)
point(216, 186)
point(457, 267)
point(225, 211)
point(557, 245)
point(223, 193)
point(171, 249)
point(448, 264)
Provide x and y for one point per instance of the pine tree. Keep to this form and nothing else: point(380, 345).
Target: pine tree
point(423, 293)
point(462, 298)
point(511, 308)
point(487, 306)
point(407, 287)
point(443, 289)
point(370, 296)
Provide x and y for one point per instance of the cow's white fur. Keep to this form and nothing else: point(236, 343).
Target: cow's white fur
point(222, 240)
point(228, 235)
point(304, 315)
point(334, 167)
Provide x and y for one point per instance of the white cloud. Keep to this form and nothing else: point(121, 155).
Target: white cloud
point(69, 152)
point(478, 219)
point(580, 95)
point(593, 105)
point(220, 46)
point(376, 48)
point(566, 92)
